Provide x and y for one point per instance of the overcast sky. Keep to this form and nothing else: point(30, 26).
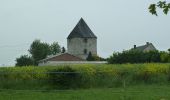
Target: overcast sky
point(118, 24)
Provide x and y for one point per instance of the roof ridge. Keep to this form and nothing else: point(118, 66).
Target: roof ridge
point(81, 30)
point(60, 54)
point(143, 47)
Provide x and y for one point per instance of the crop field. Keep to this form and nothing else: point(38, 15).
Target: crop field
point(86, 82)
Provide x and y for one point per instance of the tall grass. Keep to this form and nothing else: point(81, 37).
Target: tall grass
point(90, 76)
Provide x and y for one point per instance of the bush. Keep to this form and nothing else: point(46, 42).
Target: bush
point(24, 60)
point(91, 57)
point(135, 56)
point(64, 78)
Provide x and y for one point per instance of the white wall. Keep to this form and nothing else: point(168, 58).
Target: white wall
point(54, 63)
point(76, 46)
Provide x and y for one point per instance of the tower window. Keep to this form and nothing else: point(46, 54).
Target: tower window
point(85, 51)
point(85, 40)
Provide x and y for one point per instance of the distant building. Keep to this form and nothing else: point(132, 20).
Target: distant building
point(145, 48)
point(82, 40)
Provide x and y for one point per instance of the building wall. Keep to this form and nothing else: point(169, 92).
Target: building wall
point(77, 46)
point(55, 63)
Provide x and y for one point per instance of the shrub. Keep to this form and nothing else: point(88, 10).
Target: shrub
point(135, 56)
point(64, 78)
point(91, 57)
point(24, 60)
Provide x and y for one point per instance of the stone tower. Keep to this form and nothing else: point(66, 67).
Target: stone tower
point(82, 40)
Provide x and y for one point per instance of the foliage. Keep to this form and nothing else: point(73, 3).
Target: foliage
point(64, 78)
point(24, 60)
point(135, 56)
point(91, 57)
point(165, 57)
point(136, 92)
point(162, 5)
point(39, 50)
point(83, 76)
point(63, 50)
point(55, 48)
point(169, 51)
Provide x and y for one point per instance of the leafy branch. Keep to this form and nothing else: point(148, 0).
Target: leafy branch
point(162, 5)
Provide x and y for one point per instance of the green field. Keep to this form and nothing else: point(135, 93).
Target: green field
point(88, 82)
point(139, 92)
point(84, 76)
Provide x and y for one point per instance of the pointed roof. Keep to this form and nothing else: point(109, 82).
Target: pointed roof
point(144, 47)
point(81, 30)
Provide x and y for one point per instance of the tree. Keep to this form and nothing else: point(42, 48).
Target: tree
point(90, 57)
point(165, 56)
point(135, 56)
point(39, 50)
point(169, 50)
point(55, 48)
point(24, 60)
point(63, 50)
point(162, 5)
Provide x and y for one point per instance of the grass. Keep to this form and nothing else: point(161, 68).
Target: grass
point(98, 82)
point(89, 76)
point(137, 92)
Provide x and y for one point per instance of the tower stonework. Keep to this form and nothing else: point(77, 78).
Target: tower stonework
point(81, 41)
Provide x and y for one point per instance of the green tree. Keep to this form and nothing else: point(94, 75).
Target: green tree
point(165, 56)
point(135, 56)
point(169, 50)
point(24, 60)
point(90, 57)
point(63, 50)
point(164, 5)
point(39, 50)
point(55, 48)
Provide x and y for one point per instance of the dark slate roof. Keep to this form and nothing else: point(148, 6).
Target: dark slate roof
point(81, 30)
point(143, 47)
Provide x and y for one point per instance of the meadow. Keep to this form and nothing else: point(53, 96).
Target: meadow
point(83, 76)
point(138, 92)
point(82, 82)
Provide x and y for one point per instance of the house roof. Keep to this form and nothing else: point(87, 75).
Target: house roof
point(144, 47)
point(81, 30)
point(62, 57)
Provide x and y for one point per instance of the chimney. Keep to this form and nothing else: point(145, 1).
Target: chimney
point(147, 43)
point(134, 46)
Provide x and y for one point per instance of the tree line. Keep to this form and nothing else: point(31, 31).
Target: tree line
point(39, 50)
point(136, 56)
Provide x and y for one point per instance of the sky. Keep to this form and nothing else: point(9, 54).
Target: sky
point(118, 24)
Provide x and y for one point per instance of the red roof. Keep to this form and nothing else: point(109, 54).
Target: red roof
point(64, 57)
